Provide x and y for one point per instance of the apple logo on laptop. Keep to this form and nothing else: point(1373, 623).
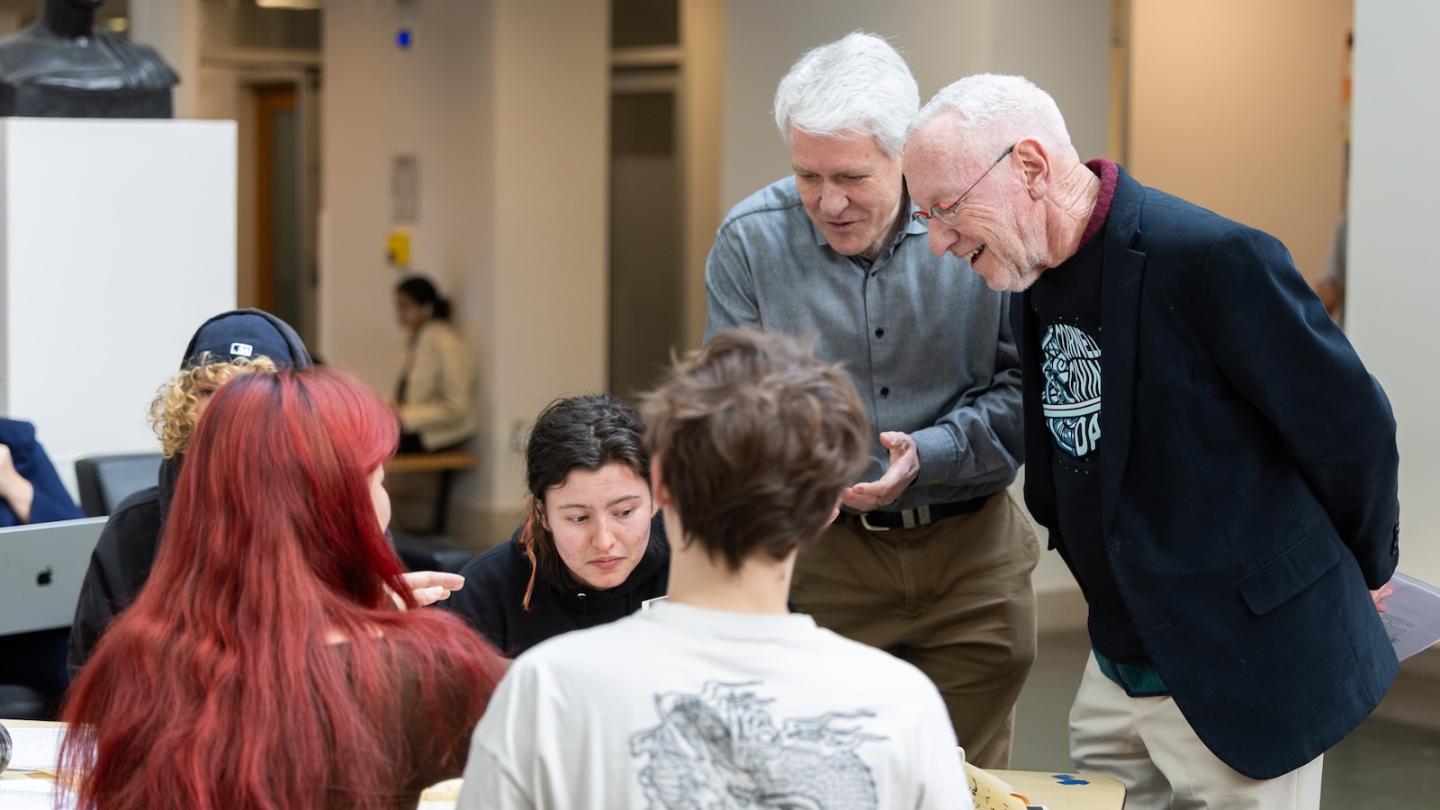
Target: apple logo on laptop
point(44, 577)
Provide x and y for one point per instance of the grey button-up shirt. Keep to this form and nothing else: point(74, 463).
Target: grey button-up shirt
point(928, 344)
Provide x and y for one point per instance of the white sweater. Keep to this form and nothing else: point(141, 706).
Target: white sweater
point(680, 706)
point(439, 387)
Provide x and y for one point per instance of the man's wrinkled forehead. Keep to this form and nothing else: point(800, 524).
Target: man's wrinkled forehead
point(944, 138)
point(937, 163)
point(844, 153)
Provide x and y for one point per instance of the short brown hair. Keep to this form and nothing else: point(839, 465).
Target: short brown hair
point(757, 439)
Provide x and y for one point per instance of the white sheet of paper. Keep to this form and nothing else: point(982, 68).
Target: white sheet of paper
point(1412, 616)
point(26, 786)
point(36, 749)
point(18, 792)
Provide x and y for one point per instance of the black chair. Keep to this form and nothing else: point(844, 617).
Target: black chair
point(32, 673)
point(105, 481)
point(429, 554)
point(22, 703)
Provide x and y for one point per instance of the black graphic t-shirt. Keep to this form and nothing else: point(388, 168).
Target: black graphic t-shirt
point(1066, 301)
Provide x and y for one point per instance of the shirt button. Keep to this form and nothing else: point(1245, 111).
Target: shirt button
point(879, 333)
point(885, 392)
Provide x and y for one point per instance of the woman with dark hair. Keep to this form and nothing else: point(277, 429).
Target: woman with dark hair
point(435, 397)
point(274, 658)
point(592, 548)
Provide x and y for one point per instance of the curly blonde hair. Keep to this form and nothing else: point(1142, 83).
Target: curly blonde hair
point(176, 407)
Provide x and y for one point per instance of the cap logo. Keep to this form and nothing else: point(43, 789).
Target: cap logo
point(242, 349)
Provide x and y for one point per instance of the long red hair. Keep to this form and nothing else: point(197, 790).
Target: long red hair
point(221, 686)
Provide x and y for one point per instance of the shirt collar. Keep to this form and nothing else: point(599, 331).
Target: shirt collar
point(815, 229)
point(1109, 175)
point(913, 227)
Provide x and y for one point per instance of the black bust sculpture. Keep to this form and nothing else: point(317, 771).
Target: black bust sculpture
point(63, 67)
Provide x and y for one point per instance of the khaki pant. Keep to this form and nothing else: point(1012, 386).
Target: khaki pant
point(1147, 744)
point(953, 598)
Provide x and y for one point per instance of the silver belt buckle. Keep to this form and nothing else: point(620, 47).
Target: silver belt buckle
point(909, 519)
point(864, 521)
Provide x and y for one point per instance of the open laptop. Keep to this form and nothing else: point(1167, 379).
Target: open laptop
point(41, 568)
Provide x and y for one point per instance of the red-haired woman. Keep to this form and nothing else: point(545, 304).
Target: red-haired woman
point(270, 662)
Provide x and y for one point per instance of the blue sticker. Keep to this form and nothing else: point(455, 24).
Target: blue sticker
point(403, 38)
point(1067, 779)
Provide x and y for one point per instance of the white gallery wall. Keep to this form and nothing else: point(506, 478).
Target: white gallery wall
point(173, 27)
point(504, 106)
point(1394, 284)
point(1237, 106)
point(117, 239)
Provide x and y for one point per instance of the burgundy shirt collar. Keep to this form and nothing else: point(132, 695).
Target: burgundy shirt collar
point(1109, 175)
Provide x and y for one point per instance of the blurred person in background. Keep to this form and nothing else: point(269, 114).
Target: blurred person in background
point(435, 396)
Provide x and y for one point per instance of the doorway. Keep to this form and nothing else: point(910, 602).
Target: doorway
point(283, 176)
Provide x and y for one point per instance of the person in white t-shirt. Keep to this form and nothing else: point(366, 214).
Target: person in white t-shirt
point(717, 697)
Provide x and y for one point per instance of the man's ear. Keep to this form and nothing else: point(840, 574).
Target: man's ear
point(1034, 166)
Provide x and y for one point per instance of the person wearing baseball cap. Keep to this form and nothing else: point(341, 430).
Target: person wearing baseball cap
point(240, 341)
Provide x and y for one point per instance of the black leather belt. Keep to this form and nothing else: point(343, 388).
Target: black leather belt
point(917, 517)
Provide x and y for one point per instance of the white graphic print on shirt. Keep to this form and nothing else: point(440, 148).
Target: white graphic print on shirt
point(1070, 398)
point(722, 749)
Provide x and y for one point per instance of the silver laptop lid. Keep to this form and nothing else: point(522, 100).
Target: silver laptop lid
point(41, 568)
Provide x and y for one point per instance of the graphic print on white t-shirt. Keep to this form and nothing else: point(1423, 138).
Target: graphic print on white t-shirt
point(1070, 397)
point(721, 748)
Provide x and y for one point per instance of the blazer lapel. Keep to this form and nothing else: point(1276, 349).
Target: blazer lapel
point(1124, 272)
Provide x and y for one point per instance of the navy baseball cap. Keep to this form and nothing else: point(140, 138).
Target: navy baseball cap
point(247, 333)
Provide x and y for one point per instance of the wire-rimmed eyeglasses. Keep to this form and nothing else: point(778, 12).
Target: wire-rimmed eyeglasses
point(950, 214)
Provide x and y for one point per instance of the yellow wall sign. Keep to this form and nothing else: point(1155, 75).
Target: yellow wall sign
point(397, 249)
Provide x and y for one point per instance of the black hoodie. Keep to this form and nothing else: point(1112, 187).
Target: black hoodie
point(126, 550)
point(495, 588)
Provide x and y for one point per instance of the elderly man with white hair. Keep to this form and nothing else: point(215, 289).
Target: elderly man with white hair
point(1230, 506)
point(931, 557)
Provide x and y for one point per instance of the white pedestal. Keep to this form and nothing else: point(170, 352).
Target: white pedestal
point(117, 238)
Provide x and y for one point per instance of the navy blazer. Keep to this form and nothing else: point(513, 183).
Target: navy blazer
point(52, 501)
point(1248, 481)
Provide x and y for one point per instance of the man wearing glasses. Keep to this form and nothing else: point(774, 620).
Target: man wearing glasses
point(931, 557)
point(1230, 506)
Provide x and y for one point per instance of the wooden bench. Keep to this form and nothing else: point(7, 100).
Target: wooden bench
point(445, 462)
